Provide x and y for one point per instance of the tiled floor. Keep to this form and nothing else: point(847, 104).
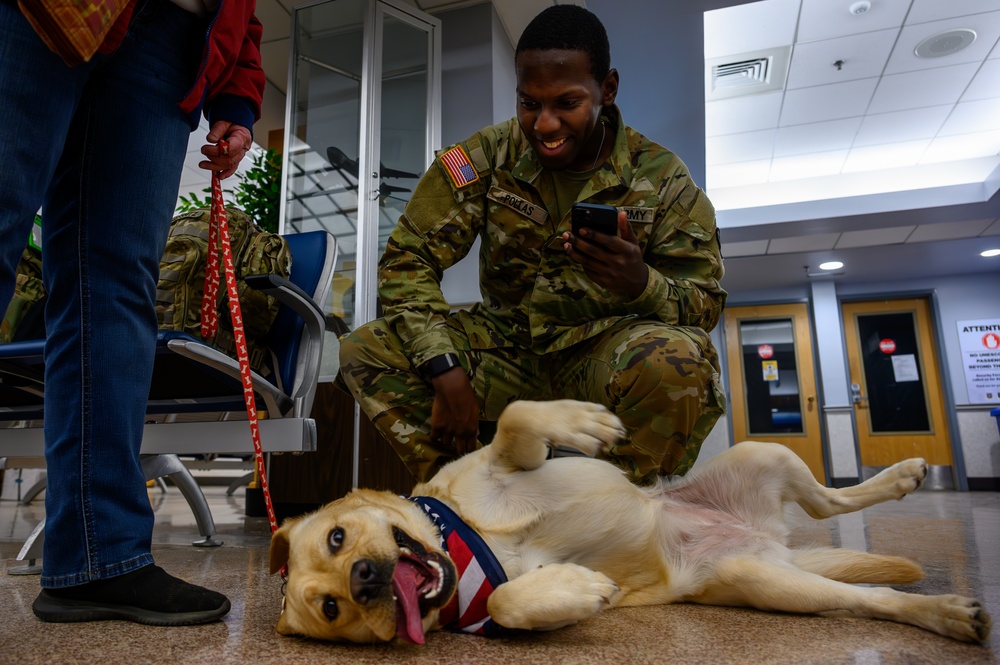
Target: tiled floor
point(955, 536)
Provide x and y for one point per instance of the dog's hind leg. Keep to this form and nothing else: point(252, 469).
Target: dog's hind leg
point(761, 464)
point(856, 567)
point(773, 586)
point(527, 430)
point(550, 597)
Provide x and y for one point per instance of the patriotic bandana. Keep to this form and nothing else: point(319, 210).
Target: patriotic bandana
point(479, 572)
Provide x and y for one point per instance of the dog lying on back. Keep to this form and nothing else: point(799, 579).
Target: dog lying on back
point(571, 537)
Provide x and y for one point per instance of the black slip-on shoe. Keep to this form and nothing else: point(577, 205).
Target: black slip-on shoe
point(48, 607)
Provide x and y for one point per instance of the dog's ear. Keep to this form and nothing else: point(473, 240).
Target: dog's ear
point(279, 548)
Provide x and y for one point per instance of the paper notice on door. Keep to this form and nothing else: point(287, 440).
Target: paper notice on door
point(904, 367)
point(770, 370)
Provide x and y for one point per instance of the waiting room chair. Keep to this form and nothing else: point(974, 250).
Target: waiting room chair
point(196, 403)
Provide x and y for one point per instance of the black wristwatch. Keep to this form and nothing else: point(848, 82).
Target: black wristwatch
point(438, 365)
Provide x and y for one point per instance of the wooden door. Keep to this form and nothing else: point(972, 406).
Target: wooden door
point(772, 379)
point(896, 386)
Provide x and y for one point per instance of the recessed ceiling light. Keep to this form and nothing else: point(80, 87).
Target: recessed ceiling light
point(945, 43)
point(990, 252)
point(831, 265)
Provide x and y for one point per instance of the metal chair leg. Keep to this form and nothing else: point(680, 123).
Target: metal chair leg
point(155, 466)
point(30, 552)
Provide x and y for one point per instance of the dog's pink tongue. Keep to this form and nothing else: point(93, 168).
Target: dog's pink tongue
point(409, 626)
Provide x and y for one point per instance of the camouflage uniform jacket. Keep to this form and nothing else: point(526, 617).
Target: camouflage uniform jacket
point(534, 296)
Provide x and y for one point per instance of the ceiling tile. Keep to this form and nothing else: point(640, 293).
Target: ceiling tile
point(812, 165)
point(742, 114)
point(803, 243)
point(863, 56)
point(735, 175)
point(739, 147)
point(874, 237)
point(828, 102)
point(732, 250)
point(901, 125)
point(751, 27)
point(963, 146)
point(275, 18)
point(274, 60)
point(885, 156)
point(993, 229)
point(986, 83)
point(825, 20)
point(930, 87)
point(949, 231)
point(193, 180)
point(923, 11)
point(816, 137)
point(968, 117)
point(986, 27)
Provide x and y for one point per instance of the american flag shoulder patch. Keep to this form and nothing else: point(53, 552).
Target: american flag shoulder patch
point(460, 170)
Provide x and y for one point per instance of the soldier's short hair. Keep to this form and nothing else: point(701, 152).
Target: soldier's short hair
point(573, 28)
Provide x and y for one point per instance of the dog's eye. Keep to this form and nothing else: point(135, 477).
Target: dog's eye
point(330, 609)
point(336, 540)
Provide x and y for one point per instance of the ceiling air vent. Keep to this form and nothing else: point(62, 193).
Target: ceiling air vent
point(740, 74)
point(746, 73)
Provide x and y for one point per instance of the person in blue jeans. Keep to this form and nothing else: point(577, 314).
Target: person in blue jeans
point(100, 148)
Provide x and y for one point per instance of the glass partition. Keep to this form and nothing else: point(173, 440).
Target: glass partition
point(362, 124)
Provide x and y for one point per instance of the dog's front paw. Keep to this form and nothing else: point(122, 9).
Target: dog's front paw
point(551, 597)
point(907, 476)
point(581, 426)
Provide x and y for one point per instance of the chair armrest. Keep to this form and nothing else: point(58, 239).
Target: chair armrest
point(288, 293)
point(300, 302)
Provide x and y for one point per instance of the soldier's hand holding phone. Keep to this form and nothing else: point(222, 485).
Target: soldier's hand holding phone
point(603, 243)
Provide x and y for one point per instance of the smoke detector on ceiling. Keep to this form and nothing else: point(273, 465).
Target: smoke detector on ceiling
point(945, 43)
point(861, 7)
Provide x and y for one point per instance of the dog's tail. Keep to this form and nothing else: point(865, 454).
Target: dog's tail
point(856, 567)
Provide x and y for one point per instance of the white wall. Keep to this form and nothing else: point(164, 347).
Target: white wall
point(477, 90)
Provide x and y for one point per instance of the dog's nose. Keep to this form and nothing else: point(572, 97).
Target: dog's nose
point(366, 581)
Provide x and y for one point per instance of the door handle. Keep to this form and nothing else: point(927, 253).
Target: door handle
point(856, 396)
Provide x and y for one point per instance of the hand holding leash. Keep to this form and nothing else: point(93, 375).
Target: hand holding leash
point(228, 144)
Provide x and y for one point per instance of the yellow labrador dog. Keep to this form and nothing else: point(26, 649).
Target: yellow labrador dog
point(573, 537)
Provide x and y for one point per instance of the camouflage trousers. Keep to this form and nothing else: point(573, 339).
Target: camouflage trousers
point(662, 381)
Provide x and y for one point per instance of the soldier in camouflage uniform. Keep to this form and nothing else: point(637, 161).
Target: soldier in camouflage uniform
point(619, 320)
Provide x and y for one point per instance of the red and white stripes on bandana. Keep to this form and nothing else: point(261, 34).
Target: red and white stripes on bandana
point(479, 572)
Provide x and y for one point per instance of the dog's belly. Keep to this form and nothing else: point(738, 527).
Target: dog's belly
point(695, 538)
point(695, 534)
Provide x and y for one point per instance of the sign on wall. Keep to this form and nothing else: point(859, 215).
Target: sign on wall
point(980, 344)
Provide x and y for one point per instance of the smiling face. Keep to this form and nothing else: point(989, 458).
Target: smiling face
point(559, 106)
point(367, 568)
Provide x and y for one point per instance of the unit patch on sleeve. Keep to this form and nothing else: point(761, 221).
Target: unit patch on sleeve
point(456, 163)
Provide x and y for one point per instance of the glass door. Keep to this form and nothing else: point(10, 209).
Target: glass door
point(772, 380)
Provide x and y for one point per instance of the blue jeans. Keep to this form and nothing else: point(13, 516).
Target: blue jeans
point(100, 148)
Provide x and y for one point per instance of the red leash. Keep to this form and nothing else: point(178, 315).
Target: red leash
point(218, 227)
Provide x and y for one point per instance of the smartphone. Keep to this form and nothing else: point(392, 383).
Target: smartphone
point(600, 218)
